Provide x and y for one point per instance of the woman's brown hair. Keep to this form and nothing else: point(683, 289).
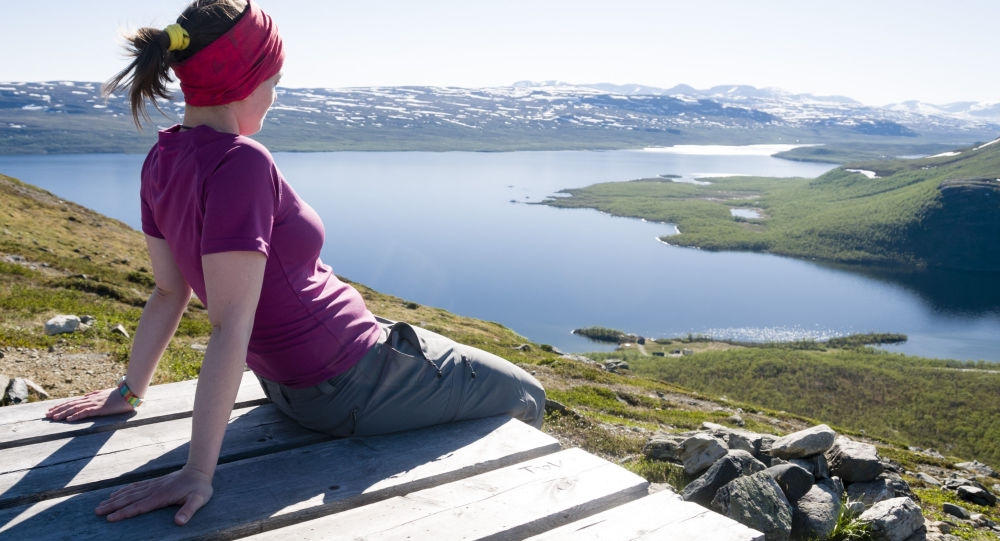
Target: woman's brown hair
point(148, 74)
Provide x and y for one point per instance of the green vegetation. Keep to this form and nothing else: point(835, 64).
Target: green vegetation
point(839, 153)
point(603, 334)
point(849, 528)
point(931, 212)
point(893, 397)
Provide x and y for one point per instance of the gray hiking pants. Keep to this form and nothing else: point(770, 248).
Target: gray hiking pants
point(410, 379)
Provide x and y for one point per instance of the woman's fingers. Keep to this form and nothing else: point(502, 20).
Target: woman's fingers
point(182, 488)
point(92, 404)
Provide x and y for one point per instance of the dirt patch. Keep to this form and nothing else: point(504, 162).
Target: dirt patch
point(61, 374)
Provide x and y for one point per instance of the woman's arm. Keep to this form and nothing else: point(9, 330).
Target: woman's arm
point(233, 282)
point(157, 325)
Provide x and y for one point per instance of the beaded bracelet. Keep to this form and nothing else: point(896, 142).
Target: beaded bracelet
point(127, 393)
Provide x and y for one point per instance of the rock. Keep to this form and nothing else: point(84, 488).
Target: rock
point(614, 366)
point(816, 465)
point(120, 329)
point(855, 508)
point(16, 392)
point(663, 446)
point(36, 388)
point(736, 463)
point(978, 468)
point(938, 531)
point(956, 511)
point(976, 495)
point(853, 461)
point(981, 521)
point(794, 480)
point(928, 479)
point(803, 443)
point(954, 482)
point(699, 452)
point(894, 520)
point(815, 514)
point(737, 438)
point(62, 324)
point(756, 501)
point(872, 492)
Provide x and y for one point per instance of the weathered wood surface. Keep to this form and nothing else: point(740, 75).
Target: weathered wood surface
point(26, 424)
point(659, 516)
point(509, 503)
point(486, 479)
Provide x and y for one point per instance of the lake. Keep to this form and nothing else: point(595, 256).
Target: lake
point(459, 230)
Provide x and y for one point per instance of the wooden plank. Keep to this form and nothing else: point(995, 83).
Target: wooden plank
point(59, 467)
point(509, 503)
point(26, 424)
point(291, 486)
point(659, 516)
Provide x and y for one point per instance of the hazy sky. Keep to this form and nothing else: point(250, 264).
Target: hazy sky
point(875, 51)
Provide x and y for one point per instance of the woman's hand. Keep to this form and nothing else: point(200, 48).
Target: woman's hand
point(92, 404)
point(187, 487)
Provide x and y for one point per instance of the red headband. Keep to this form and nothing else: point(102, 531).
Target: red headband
point(230, 68)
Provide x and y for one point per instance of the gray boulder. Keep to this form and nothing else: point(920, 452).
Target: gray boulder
point(816, 465)
point(928, 479)
point(736, 463)
point(803, 443)
point(978, 468)
point(894, 520)
point(815, 514)
point(976, 495)
point(956, 511)
point(62, 324)
point(886, 487)
point(852, 461)
point(699, 452)
point(663, 446)
point(758, 502)
point(15, 393)
point(737, 438)
point(794, 480)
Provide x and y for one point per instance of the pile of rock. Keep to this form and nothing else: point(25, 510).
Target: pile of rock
point(795, 486)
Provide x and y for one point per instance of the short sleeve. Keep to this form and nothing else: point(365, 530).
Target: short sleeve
point(240, 200)
point(148, 223)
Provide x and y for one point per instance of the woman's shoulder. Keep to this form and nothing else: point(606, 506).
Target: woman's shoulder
point(249, 149)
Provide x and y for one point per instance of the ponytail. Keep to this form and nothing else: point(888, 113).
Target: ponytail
point(147, 76)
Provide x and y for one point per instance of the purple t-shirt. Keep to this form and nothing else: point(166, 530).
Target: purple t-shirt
point(207, 192)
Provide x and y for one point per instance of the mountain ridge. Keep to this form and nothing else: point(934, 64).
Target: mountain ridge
point(64, 116)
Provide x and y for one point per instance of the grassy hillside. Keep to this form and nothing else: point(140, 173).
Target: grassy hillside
point(928, 403)
point(932, 212)
point(57, 257)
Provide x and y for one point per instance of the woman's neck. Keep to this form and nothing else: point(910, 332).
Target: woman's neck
point(219, 117)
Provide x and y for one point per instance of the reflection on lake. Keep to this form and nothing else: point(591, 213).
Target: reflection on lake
point(452, 230)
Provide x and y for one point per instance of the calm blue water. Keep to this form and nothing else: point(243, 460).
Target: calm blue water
point(456, 230)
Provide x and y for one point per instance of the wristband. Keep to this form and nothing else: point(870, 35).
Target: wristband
point(127, 393)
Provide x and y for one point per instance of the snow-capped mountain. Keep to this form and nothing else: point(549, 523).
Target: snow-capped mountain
point(523, 115)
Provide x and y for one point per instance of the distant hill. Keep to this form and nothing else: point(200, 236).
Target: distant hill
point(64, 116)
point(941, 211)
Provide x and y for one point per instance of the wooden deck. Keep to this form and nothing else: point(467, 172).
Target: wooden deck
point(487, 479)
